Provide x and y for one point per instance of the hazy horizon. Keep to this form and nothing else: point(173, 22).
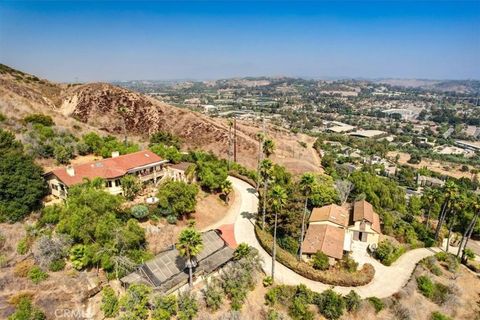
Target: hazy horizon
point(171, 41)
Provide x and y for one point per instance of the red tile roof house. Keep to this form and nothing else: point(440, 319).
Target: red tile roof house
point(333, 230)
point(144, 164)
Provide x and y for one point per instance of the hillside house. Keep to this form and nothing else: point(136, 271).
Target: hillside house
point(146, 165)
point(334, 230)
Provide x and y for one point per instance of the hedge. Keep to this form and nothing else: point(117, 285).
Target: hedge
point(244, 178)
point(334, 277)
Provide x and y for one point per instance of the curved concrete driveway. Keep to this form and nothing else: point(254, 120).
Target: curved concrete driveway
point(387, 280)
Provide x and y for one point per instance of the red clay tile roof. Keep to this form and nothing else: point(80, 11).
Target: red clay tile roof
point(332, 213)
point(362, 210)
point(325, 238)
point(107, 168)
point(228, 235)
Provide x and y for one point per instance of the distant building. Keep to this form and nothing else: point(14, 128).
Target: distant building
point(367, 133)
point(472, 132)
point(468, 145)
point(146, 165)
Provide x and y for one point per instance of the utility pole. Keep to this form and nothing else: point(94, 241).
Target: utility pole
point(235, 139)
point(229, 143)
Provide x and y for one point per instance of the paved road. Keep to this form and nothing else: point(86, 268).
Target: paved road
point(386, 282)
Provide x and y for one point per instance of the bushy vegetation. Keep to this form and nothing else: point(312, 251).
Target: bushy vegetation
point(320, 261)
point(377, 304)
point(434, 291)
point(139, 211)
point(135, 302)
point(101, 234)
point(436, 315)
point(37, 275)
point(21, 182)
point(109, 305)
point(25, 310)
point(104, 146)
point(387, 252)
point(177, 198)
point(165, 138)
point(38, 118)
point(352, 301)
point(131, 186)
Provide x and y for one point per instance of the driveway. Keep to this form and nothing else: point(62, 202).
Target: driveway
point(387, 280)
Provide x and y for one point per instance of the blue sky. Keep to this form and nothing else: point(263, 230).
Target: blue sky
point(91, 41)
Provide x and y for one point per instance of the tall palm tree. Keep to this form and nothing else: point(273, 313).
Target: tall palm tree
point(307, 182)
point(278, 198)
point(450, 190)
point(268, 147)
point(471, 226)
point(459, 203)
point(261, 137)
point(189, 245)
point(265, 172)
point(430, 196)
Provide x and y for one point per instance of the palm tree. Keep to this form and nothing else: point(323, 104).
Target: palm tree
point(278, 198)
point(268, 147)
point(265, 172)
point(307, 182)
point(261, 137)
point(430, 195)
point(459, 204)
point(450, 190)
point(189, 245)
point(226, 188)
point(469, 230)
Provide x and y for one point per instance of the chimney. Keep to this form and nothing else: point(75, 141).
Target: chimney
point(70, 171)
point(115, 154)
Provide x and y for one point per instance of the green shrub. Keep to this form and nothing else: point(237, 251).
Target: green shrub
point(330, 304)
point(213, 295)
point(352, 301)
point(320, 261)
point(469, 254)
point(441, 256)
point(50, 214)
point(333, 277)
point(2, 117)
point(348, 264)
point(431, 264)
point(288, 243)
point(187, 306)
point(267, 281)
point(434, 291)
point(56, 265)
point(171, 219)
point(436, 315)
point(377, 303)
point(387, 252)
point(23, 245)
point(38, 118)
point(109, 305)
point(281, 294)
point(139, 211)
point(177, 198)
point(37, 275)
point(169, 304)
point(131, 186)
point(299, 310)
point(449, 259)
point(79, 256)
point(25, 310)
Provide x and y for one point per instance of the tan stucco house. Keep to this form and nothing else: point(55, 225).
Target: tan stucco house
point(146, 165)
point(333, 230)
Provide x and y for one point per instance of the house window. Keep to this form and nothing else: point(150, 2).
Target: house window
point(118, 183)
point(109, 183)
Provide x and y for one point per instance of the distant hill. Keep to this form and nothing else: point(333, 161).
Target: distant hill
point(111, 109)
point(458, 86)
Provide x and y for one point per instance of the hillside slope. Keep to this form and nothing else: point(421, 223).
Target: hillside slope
point(114, 110)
